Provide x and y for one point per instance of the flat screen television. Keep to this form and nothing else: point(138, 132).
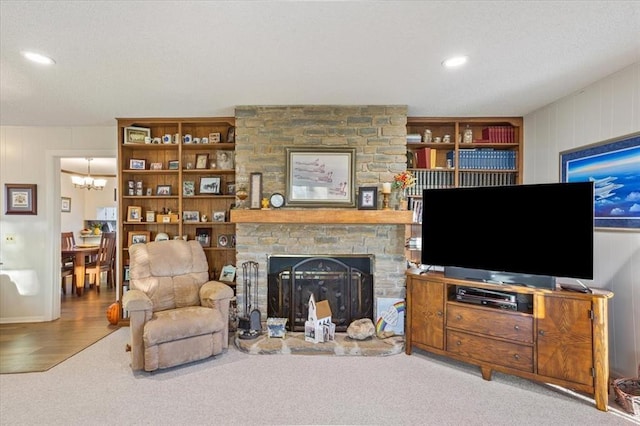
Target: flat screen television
point(520, 234)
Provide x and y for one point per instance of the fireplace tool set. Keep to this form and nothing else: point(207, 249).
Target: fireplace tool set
point(249, 326)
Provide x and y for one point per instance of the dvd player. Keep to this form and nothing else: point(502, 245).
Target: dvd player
point(484, 293)
point(484, 301)
point(484, 297)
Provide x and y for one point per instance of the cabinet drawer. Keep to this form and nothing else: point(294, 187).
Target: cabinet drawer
point(494, 323)
point(510, 355)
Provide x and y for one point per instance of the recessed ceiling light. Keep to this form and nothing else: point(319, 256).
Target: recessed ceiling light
point(455, 61)
point(38, 58)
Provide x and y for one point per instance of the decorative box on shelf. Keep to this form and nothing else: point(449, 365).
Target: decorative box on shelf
point(167, 218)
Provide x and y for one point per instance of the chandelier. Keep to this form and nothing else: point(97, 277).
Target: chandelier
point(87, 182)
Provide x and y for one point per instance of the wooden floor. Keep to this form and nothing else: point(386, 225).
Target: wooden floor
point(26, 347)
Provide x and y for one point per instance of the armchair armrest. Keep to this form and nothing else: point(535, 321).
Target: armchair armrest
point(212, 291)
point(140, 311)
point(216, 295)
point(136, 300)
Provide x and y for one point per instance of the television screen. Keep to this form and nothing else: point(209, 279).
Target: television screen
point(539, 229)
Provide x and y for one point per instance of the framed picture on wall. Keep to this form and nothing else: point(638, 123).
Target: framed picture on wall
point(21, 198)
point(65, 204)
point(319, 177)
point(612, 165)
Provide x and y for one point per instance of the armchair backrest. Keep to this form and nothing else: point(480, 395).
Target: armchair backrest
point(170, 272)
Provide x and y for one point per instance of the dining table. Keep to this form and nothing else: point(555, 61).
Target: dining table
point(80, 253)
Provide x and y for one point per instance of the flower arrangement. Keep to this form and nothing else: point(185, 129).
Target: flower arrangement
point(403, 180)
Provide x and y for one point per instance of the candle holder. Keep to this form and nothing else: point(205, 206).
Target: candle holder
point(385, 201)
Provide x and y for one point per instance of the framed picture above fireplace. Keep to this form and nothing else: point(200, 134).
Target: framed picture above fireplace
point(319, 177)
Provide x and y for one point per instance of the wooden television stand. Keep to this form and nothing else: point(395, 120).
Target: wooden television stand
point(557, 337)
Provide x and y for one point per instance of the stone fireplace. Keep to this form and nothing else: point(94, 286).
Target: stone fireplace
point(379, 135)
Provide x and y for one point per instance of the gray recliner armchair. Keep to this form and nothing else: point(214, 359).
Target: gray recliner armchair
point(176, 314)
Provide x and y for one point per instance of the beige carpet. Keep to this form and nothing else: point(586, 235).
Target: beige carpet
point(97, 387)
point(294, 343)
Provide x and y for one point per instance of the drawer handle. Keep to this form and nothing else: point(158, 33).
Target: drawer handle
point(541, 332)
point(459, 343)
point(439, 313)
point(516, 327)
point(516, 356)
point(459, 317)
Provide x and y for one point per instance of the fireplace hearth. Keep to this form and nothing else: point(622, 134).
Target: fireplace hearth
point(345, 281)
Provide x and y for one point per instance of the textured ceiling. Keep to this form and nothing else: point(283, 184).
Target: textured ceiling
point(201, 58)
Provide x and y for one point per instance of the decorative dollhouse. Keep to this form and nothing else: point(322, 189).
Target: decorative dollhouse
point(318, 328)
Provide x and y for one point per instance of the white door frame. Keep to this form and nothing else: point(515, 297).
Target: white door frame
point(52, 203)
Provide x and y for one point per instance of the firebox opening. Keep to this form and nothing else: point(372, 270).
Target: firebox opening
point(345, 281)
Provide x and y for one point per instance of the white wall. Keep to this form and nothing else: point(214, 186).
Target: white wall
point(29, 281)
point(606, 109)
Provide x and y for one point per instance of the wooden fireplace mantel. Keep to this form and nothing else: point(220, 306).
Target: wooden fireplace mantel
point(323, 216)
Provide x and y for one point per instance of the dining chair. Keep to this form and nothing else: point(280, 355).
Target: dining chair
point(67, 240)
point(104, 261)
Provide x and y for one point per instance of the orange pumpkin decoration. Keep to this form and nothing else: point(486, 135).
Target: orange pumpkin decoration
point(113, 313)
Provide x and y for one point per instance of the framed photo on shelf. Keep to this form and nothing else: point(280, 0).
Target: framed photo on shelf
point(136, 135)
point(231, 188)
point(137, 164)
point(228, 273)
point(150, 216)
point(223, 240)
point(231, 135)
point(214, 137)
point(210, 185)
point(612, 165)
point(219, 216)
point(138, 237)
point(317, 177)
point(21, 198)
point(173, 165)
point(255, 190)
point(65, 204)
point(155, 166)
point(368, 198)
point(190, 216)
point(188, 188)
point(134, 214)
point(203, 236)
point(225, 160)
point(202, 161)
point(163, 190)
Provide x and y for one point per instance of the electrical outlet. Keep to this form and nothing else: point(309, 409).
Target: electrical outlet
point(10, 239)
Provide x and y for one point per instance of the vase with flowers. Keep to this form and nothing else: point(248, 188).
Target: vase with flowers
point(401, 182)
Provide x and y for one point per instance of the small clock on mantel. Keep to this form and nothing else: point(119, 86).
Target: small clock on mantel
point(276, 200)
